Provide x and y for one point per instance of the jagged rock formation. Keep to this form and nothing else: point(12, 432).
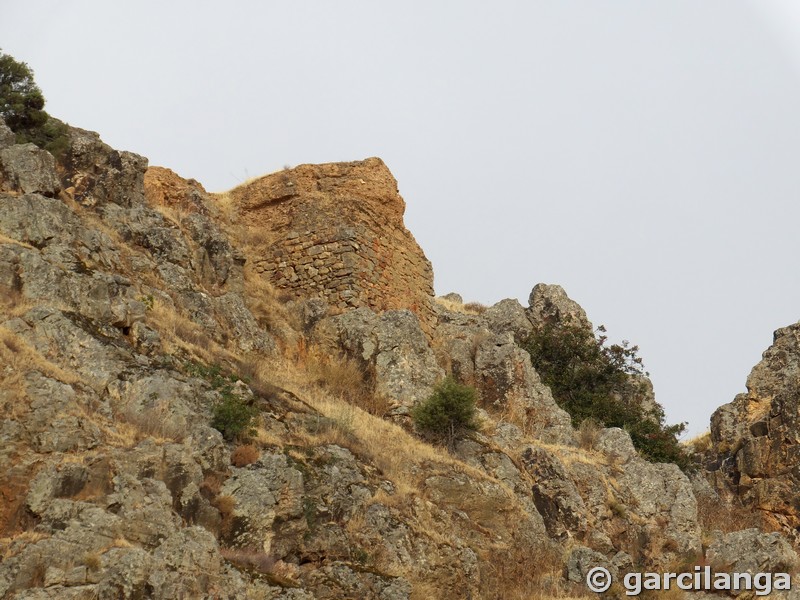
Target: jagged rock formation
point(755, 439)
point(132, 307)
point(336, 231)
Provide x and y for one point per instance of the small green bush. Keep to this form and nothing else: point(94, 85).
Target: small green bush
point(448, 411)
point(233, 418)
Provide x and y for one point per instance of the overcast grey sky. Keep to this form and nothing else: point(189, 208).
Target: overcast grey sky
point(644, 155)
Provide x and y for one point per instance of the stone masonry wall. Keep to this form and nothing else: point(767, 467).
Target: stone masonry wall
point(336, 231)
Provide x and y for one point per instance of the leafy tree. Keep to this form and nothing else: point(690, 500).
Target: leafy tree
point(21, 100)
point(448, 411)
point(592, 380)
point(22, 108)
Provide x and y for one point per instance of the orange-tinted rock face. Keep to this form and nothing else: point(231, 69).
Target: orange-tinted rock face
point(336, 231)
point(166, 188)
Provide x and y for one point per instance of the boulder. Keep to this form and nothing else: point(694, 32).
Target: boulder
point(391, 345)
point(266, 494)
point(507, 382)
point(550, 305)
point(97, 174)
point(7, 137)
point(187, 564)
point(27, 169)
point(752, 551)
point(508, 316)
point(582, 560)
point(555, 495)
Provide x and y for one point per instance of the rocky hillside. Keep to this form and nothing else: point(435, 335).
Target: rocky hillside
point(755, 440)
point(141, 317)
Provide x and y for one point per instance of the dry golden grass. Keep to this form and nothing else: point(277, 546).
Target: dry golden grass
point(397, 453)
point(347, 380)
point(14, 304)
point(225, 203)
point(155, 423)
point(180, 335)
point(588, 433)
point(513, 410)
point(172, 213)
point(470, 308)
point(265, 303)
point(522, 572)
point(249, 559)
point(120, 435)
point(19, 357)
point(4, 239)
point(267, 437)
point(211, 485)
point(714, 515)
point(225, 505)
point(699, 443)
point(92, 561)
point(11, 546)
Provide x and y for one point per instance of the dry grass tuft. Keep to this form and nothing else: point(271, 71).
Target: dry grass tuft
point(225, 505)
point(92, 561)
point(19, 357)
point(267, 305)
point(387, 445)
point(699, 444)
point(522, 572)
point(11, 546)
point(211, 485)
point(244, 455)
point(179, 332)
point(156, 423)
point(469, 308)
point(714, 515)
point(249, 559)
point(588, 433)
point(346, 379)
point(475, 308)
point(4, 239)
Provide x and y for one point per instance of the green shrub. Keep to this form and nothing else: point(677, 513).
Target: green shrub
point(592, 380)
point(22, 109)
point(232, 416)
point(447, 412)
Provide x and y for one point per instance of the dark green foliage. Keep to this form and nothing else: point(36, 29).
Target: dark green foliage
point(592, 380)
point(21, 100)
point(448, 411)
point(52, 136)
point(232, 416)
point(22, 108)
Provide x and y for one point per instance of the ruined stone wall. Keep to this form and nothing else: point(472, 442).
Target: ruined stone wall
point(336, 231)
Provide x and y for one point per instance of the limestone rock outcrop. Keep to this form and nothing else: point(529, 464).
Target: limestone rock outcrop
point(391, 347)
point(755, 447)
point(549, 304)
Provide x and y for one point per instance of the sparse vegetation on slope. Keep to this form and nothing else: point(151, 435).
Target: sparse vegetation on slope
point(449, 411)
point(233, 417)
point(592, 380)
